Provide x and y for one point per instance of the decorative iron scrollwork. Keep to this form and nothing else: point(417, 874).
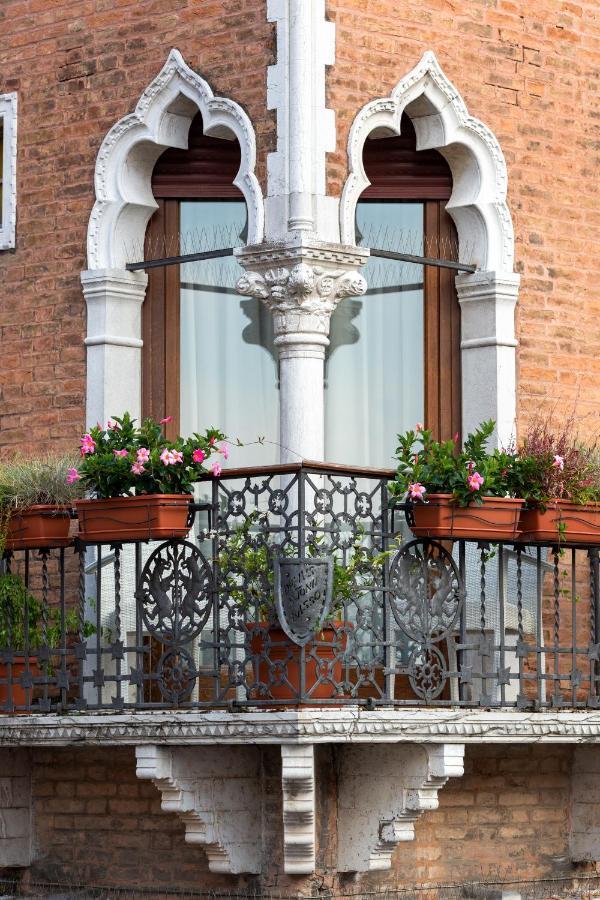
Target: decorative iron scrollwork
point(427, 672)
point(175, 592)
point(426, 592)
point(176, 676)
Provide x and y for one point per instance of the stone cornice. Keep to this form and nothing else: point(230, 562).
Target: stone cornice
point(303, 726)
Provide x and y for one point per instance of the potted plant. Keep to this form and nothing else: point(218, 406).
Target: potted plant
point(24, 630)
point(140, 483)
point(456, 493)
point(36, 500)
point(561, 485)
point(246, 565)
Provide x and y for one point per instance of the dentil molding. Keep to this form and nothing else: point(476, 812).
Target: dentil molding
point(310, 726)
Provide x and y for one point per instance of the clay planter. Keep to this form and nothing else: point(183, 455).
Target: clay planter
point(146, 517)
point(38, 527)
point(19, 696)
point(497, 519)
point(282, 662)
point(563, 522)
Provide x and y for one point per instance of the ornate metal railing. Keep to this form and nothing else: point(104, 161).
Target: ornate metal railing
point(301, 584)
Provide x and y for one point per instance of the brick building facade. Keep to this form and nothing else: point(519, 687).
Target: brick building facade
point(508, 92)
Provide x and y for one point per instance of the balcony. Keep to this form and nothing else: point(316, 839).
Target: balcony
point(301, 585)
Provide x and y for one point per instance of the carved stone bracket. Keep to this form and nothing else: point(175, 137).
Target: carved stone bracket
point(382, 792)
point(217, 793)
point(298, 784)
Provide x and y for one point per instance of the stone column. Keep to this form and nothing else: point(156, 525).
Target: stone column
point(488, 351)
point(114, 300)
point(301, 283)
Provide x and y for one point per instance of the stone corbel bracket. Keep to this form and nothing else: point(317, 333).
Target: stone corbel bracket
point(216, 791)
point(382, 792)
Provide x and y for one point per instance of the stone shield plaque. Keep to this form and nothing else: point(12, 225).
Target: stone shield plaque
point(303, 590)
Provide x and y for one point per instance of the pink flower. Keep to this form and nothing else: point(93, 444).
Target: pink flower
point(120, 453)
point(470, 466)
point(558, 463)
point(213, 441)
point(176, 456)
point(112, 426)
point(143, 455)
point(198, 455)
point(88, 444)
point(72, 476)
point(475, 481)
point(416, 491)
point(224, 450)
point(137, 468)
point(456, 438)
point(166, 420)
point(216, 469)
point(166, 458)
point(419, 427)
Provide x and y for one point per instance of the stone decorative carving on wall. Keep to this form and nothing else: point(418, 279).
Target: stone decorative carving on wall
point(442, 122)
point(301, 283)
point(161, 119)
point(314, 291)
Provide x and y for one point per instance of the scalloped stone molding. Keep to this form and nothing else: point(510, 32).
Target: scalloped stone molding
point(8, 213)
point(216, 791)
point(442, 122)
point(383, 790)
point(161, 119)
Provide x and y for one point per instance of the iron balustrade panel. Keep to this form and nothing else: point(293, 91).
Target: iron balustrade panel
point(299, 585)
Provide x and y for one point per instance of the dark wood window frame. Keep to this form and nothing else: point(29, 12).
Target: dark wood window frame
point(397, 171)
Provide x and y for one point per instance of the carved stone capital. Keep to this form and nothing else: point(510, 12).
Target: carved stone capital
point(301, 284)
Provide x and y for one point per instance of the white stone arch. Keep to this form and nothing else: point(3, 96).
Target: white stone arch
point(442, 122)
point(483, 222)
point(161, 119)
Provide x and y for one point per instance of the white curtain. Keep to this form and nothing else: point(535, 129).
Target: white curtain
point(375, 368)
point(229, 376)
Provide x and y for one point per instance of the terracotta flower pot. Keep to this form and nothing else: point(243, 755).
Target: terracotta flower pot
point(14, 695)
point(497, 519)
point(279, 661)
point(562, 522)
point(146, 517)
point(38, 527)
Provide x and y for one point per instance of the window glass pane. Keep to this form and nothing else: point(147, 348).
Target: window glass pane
point(229, 375)
point(374, 377)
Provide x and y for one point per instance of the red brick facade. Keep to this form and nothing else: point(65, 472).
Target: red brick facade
point(78, 68)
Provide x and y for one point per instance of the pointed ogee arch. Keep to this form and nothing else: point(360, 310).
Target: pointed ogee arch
point(161, 119)
point(442, 122)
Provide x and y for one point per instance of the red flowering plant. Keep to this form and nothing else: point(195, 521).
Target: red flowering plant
point(124, 459)
point(427, 466)
point(554, 465)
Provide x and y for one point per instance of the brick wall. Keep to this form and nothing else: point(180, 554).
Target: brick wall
point(507, 818)
point(79, 67)
point(529, 71)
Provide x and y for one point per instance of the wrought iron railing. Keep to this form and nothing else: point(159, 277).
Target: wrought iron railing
point(301, 584)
